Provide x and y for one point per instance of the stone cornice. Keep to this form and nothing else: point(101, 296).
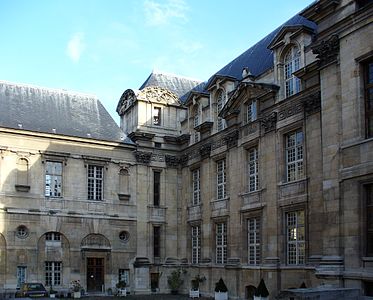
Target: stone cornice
point(327, 50)
point(205, 150)
point(204, 127)
point(143, 157)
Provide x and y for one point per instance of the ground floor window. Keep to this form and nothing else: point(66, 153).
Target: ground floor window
point(21, 275)
point(124, 275)
point(53, 270)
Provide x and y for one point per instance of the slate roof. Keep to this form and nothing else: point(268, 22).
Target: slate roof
point(43, 110)
point(179, 85)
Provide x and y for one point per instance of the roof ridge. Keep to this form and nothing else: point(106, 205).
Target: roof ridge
point(60, 90)
point(157, 72)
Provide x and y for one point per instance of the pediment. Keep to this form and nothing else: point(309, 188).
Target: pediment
point(125, 101)
point(159, 95)
point(285, 34)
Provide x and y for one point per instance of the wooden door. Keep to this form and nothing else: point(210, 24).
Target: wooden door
point(95, 274)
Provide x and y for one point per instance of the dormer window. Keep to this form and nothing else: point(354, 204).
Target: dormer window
point(291, 64)
point(157, 116)
point(220, 100)
point(196, 122)
point(251, 111)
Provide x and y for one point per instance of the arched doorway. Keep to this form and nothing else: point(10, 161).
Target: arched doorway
point(250, 292)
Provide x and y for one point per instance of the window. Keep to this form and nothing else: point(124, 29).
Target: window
point(196, 244)
point(157, 116)
point(21, 275)
point(221, 179)
point(253, 169)
point(124, 187)
point(368, 85)
point(53, 236)
point(157, 241)
point(22, 172)
point(157, 188)
point(124, 236)
point(220, 100)
point(369, 219)
point(53, 179)
point(295, 233)
point(195, 124)
point(196, 187)
point(291, 62)
point(294, 155)
point(253, 240)
point(251, 112)
point(221, 243)
point(22, 232)
point(53, 272)
point(95, 180)
point(124, 275)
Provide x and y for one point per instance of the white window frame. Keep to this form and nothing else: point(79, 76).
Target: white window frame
point(220, 101)
point(291, 64)
point(196, 185)
point(53, 179)
point(252, 113)
point(53, 273)
point(221, 243)
point(196, 244)
point(253, 240)
point(21, 275)
point(253, 169)
point(95, 182)
point(295, 237)
point(294, 155)
point(221, 179)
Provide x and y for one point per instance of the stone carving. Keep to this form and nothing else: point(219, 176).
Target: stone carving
point(327, 50)
point(143, 157)
point(231, 139)
point(269, 121)
point(184, 159)
point(312, 103)
point(155, 93)
point(126, 100)
point(205, 150)
point(290, 111)
point(172, 161)
point(95, 241)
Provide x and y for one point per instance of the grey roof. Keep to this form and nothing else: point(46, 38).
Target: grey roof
point(56, 111)
point(179, 85)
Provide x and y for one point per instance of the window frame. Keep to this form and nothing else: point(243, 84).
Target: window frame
point(292, 61)
point(124, 274)
point(196, 186)
point(253, 169)
point(221, 243)
point(220, 102)
point(296, 165)
point(98, 183)
point(51, 180)
point(368, 86)
point(251, 111)
point(195, 243)
point(254, 249)
point(221, 179)
point(53, 276)
point(157, 187)
point(157, 241)
point(157, 116)
point(21, 275)
point(300, 244)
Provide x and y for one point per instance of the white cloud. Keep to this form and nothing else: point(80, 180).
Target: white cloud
point(76, 46)
point(158, 14)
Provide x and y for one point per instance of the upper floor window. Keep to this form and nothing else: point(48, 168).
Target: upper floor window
point(251, 111)
point(221, 179)
point(196, 122)
point(368, 86)
point(196, 186)
point(157, 241)
point(157, 116)
point(53, 236)
point(294, 155)
point(369, 219)
point(220, 100)
point(95, 182)
point(253, 168)
point(53, 179)
point(291, 64)
point(156, 187)
point(22, 171)
point(295, 237)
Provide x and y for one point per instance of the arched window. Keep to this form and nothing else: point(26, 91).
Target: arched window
point(291, 64)
point(220, 100)
point(124, 176)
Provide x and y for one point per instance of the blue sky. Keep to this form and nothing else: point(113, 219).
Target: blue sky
point(104, 47)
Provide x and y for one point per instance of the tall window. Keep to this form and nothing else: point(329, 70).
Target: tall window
point(251, 111)
point(253, 240)
point(295, 233)
point(368, 80)
point(53, 179)
point(369, 219)
point(195, 124)
point(53, 272)
point(21, 275)
point(253, 169)
point(196, 244)
point(196, 187)
point(22, 171)
point(294, 155)
point(157, 241)
point(157, 116)
point(220, 100)
point(95, 182)
point(291, 62)
point(221, 243)
point(157, 188)
point(221, 179)
point(124, 275)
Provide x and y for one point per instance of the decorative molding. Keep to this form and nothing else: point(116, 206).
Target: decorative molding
point(204, 127)
point(327, 50)
point(290, 111)
point(312, 103)
point(158, 94)
point(143, 157)
point(144, 136)
point(172, 160)
point(126, 101)
point(184, 159)
point(205, 151)
point(95, 241)
point(269, 121)
point(124, 197)
point(231, 139)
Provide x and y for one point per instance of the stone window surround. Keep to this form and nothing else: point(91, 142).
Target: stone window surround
point(196, 190)
point(60, 161)
point(246, 215)
point(198, 236)
point(225, 242)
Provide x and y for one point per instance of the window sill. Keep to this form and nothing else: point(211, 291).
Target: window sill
point(293, 182)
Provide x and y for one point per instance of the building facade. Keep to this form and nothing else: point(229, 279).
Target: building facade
point(262, 172)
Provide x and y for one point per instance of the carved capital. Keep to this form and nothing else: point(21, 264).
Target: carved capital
point(312, 103)
point(205, 151)
point(231, 139)
point(172, 160)
point(327, 50)
point(269, 121)
point(143, 157)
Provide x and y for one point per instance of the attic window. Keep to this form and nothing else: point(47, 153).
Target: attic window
point(157, 116)
point(291, 62)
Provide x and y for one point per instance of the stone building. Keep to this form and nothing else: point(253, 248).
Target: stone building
point(263, 171)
